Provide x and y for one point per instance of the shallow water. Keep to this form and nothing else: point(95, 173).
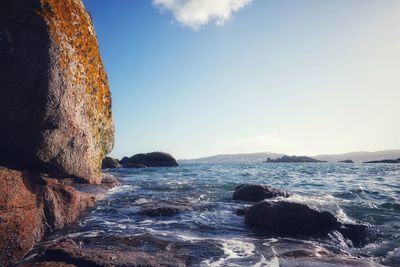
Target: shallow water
point(213, 235)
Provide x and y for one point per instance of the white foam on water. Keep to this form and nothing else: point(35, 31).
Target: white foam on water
point(142, 200)
point(393, 257)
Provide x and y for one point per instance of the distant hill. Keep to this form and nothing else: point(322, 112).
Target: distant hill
point(359, 156)
point(362, 156)
point(236, 158)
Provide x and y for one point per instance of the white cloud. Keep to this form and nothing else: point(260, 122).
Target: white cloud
point(196, 13)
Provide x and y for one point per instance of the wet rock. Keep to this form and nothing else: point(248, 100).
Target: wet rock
point(153, 159)
point(66, 250)
point(55, 104)
point(164, 209)
point(292, 219)
point(294, 254)
point(33, 205)
point(253, 192)
point(241, 212)
point(110, 163)
point(299, 220)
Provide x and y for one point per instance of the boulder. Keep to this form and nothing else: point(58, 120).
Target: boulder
point(153, 159)
point(290, 219)
point(68, 251)
point(33, 205)
point(254, 192)
point(110, 163)
point(55, 103)
point(294, 219)
point(158, 209)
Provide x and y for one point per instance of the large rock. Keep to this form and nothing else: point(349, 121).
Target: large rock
point(299, 220)
point(254, 192)
point(32, 205)
point(109, 162)
point(153, 159)
point(55, 104)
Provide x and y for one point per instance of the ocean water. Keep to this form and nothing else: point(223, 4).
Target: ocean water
point(213, 235)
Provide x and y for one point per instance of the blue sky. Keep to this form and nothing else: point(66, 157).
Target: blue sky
point(196, 78)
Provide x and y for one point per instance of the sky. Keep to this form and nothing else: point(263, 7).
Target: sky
point(202, 77)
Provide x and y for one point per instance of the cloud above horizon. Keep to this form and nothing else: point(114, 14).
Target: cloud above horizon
point(197, 13)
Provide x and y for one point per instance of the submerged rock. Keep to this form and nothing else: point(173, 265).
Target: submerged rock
point(32, 206)
point(55, 104)
point(153, 159)
point(109, 162)
point(299, 220)
point(253, 192)
point(164, 208)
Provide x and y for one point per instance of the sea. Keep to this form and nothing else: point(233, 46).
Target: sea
point(213, 235)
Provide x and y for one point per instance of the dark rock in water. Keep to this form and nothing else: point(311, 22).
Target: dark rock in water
point(153, 159)
point(356, 233)
point(110, 163)
point(290, 219)
point(292, 159)
point(55, 103)
point(241, 212)
point(346, 161)
point(68, 251)
point(32, 206)
point(253, 192)
point(294, 219)
point(164, 209)
point(384, 161)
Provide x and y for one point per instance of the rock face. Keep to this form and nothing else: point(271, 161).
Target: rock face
point(55, 104)
point(293, 219)
point(68, 251)
point(253, 192)
point(109, 162)
point(292, 159)
point(32, 206)
point(153, 159)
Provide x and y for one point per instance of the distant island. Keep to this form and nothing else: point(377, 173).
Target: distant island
point(346, 161)
point(384, 161)
point(356, 157)
point(292, 159)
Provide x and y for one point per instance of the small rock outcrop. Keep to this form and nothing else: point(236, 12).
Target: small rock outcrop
point(256, 193)
point(55, 103)
point(346, 161)
point(110, 163)
point(32, 205)
point(292, 159)
point(164, 209)
point(153, 159)
point(299, 220)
